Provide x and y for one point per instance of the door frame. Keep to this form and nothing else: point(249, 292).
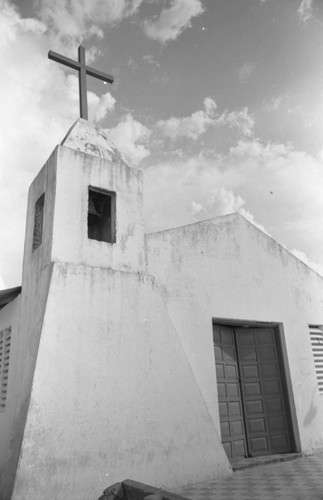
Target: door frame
point(284, 370)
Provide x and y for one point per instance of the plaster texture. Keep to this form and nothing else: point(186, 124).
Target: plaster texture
point(75, 173)
point(226, 268)
point(123, 399)
point(85, 137)
point(106, 389)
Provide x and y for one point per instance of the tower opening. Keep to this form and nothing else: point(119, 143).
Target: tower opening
point(38, 222)
point(101, 218)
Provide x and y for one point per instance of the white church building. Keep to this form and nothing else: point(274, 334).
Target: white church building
point(159, 357)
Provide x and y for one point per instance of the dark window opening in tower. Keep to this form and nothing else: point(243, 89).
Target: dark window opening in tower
point(38, 222)
point(101, 217)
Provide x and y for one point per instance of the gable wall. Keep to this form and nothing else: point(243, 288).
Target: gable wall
point(226, 268)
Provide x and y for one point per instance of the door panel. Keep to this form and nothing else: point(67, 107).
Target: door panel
point(229, 393)
point(262, 392)
point(251, 402)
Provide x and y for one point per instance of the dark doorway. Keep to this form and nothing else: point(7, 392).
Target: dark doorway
point(252, 406)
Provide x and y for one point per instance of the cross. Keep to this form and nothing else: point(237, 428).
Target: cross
point(83, 71)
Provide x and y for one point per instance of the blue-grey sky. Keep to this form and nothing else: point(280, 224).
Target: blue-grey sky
point(219, 102)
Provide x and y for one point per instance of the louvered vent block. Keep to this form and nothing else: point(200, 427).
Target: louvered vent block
point(316, 335)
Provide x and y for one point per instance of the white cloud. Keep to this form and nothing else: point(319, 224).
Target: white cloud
point(305, 10)
point(150, 59)
point(38, 102)
point(191, 126)
point(197, 124)
point(11, 24)
point(273, 104)
point(248, 215)
point(239, 119)
point(197, 210)
point(131, 136)
point(220, 201)
point(245, 72)
point(173, 20)
point(72, 21)
point(98, 106)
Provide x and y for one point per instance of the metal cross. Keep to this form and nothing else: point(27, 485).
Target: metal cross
point(83, 71)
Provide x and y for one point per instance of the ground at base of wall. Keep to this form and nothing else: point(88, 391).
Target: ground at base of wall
point(297, 479)
point(246, 463)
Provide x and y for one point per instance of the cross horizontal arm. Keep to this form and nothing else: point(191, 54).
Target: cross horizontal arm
point(76, 65)
point(99, 74)
point(63, 60)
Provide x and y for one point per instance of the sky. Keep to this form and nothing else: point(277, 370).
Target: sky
point(219, 102)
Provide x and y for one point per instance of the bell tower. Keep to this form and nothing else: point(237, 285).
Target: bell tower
point(106, 390)
point(85, 206)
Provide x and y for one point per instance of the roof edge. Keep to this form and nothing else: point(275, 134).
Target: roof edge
point(238, 215)
point(8, 295)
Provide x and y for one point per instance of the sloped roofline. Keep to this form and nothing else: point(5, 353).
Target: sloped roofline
point(87, 138)
point(175, 228)
point(8, 295)
point(237, 215)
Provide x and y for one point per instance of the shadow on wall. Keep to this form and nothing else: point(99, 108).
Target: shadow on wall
point(312, 412)
point(132, 490)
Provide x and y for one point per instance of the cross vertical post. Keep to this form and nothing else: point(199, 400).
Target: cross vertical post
point(82, 84)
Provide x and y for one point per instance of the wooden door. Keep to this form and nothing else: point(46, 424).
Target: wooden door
point(229, 392)
point(263, 397)
point(251, 397)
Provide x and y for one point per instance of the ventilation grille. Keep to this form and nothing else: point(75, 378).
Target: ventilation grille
point(316, 334)
point(38, 222)
point(5, 339)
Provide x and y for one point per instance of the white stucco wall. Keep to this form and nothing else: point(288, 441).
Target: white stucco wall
point(77, 171)
point(37, 270)
point(64, 180)
point(113, 394)
point(227, 268)
point(9, 316)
